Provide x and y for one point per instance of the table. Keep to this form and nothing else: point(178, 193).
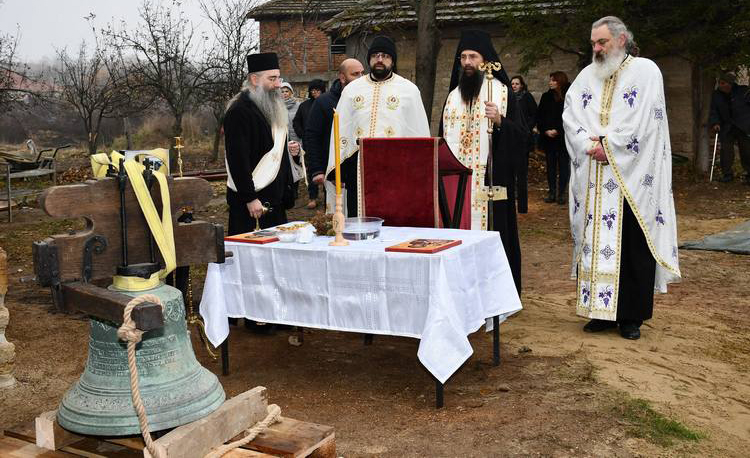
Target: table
point(438, 298)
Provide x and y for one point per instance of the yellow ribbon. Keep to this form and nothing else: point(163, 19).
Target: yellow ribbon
point(161, 229)
point(99, 162)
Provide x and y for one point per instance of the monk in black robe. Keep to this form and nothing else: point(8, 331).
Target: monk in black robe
point(255, 125)
point(465, 121)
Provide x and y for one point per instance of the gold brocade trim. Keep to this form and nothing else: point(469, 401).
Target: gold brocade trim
point(609, 91)
point(634, 208)
point(374, 109)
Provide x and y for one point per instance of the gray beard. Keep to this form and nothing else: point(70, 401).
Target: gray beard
point(609, 65)
point(270, 104)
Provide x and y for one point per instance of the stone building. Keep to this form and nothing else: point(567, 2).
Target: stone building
point(346, 19)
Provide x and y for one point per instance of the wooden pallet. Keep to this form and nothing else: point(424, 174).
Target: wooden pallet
point(288, 438)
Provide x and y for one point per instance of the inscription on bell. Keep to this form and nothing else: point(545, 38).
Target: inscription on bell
point(110, 358)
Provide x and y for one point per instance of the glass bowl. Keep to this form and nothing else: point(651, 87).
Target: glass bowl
point(362, 228)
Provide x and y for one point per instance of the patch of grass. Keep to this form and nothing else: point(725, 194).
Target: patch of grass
point(645, 422)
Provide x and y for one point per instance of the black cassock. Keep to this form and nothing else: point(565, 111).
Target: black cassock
point(509, 169)
point(248, 137)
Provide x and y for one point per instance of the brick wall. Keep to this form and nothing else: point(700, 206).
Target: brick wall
point(302, 48)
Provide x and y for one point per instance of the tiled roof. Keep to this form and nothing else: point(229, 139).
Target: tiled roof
point(286, 8)
point(370, 13)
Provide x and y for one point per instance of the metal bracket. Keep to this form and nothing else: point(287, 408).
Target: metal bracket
point(47, 269)
point(94, 244)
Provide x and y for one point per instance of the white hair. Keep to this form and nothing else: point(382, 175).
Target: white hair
point(269, 103)
point(618, 28)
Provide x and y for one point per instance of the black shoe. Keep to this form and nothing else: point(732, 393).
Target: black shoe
point(725, 179)
point(561, 199)
point(550, 199)
point(630, 331)
point(599, 325)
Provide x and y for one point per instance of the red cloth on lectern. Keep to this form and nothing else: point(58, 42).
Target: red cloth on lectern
point(398, 180)
point(450, 170)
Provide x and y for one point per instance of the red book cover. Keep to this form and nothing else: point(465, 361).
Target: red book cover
point(252, 237)
point(428, 246)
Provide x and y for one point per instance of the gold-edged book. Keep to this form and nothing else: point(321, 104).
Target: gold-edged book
point(427, 246)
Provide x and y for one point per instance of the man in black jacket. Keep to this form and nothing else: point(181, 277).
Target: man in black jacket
point(258, 169)
point(317, 137)
point(730, 118)
point(314, 90)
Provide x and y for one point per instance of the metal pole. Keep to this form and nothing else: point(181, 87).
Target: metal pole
point(496, 340)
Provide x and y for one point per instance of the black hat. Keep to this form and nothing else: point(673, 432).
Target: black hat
point(382, 44)
point(262, 62)
point(481, 42)
point(317, 84)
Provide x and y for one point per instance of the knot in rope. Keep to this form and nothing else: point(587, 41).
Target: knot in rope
point(127, 331)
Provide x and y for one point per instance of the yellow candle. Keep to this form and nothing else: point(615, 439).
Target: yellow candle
point(337, 149)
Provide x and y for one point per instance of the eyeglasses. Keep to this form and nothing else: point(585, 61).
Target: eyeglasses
point(380, 56)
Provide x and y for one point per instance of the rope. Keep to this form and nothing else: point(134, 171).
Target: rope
point(132, 335)
point(274, 415)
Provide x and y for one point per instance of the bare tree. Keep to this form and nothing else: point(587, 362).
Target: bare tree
point(158, 57)
point(85, 84)
point(234, 39)
point(15, 84)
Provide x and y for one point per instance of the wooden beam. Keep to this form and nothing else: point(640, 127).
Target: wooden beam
point(109, 305)
point(199, 437)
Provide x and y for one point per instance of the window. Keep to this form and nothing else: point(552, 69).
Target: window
point(338, 46)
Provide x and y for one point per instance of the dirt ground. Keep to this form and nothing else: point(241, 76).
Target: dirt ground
point(558, 391)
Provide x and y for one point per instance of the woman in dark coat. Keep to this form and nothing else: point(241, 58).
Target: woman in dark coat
point(526, 107)
point(552, 137)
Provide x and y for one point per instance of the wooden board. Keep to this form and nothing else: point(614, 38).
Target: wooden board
point(11, 447)
point(199, 437)
point(98, 203)
point(291, 438)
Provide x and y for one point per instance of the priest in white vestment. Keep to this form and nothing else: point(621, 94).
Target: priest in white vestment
point(622, 213)
point(466, 119)
point(380, 104)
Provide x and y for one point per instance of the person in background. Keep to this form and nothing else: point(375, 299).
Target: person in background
point(314, 90)
point(527, 116)
point(730, 118)
point(318, 125)
point(292, 104)
point(552, 137)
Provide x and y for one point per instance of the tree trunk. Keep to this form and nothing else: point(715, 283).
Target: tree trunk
point(217, 140)
point(126, 131)
point(702, 84)
point(428, 46)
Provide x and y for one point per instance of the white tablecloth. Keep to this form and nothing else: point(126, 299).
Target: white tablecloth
point(438, 298)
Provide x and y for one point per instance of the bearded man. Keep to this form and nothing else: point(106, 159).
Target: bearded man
point(622, 214)
point(259, 176)
point(464, 126)
point(380, 104)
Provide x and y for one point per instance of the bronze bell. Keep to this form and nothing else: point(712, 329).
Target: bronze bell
point(175, 388)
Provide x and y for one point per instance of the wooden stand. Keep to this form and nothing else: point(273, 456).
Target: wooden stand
point(338, 223)
point(287, 438)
